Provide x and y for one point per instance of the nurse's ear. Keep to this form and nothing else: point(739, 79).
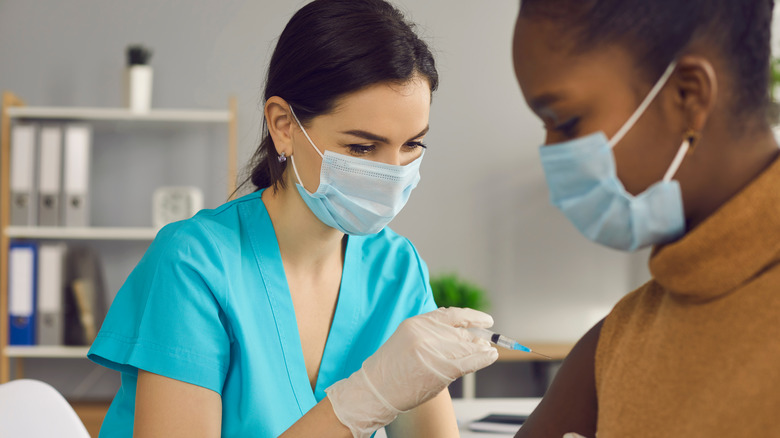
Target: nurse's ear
point(280, 124)
point(696, 91)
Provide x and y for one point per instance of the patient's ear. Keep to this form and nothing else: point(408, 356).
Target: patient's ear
point(696, 87)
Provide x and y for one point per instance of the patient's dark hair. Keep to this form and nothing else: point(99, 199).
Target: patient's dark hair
point(657, 31)
point(331, 48)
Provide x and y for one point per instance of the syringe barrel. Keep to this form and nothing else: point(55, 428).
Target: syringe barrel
point(503, 341)
point(490, 336)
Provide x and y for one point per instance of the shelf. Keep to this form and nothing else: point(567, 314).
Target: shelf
point(556, 350)
point(82, 233)
point(46, 351)
point(107, 121)
point(90, 114)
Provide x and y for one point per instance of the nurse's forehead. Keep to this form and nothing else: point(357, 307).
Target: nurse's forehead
point(384, 109)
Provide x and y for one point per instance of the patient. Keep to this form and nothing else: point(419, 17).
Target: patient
point(695, 351)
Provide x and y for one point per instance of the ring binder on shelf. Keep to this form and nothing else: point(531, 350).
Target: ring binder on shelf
point(21, 293)
point(50, 171)
point(51, 285)
point(23, 164)
point(78, 146)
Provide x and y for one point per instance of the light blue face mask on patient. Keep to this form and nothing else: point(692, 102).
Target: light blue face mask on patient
point(358, 196)
point(583, 182)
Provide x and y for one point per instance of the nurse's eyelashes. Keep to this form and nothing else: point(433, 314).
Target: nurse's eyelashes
point(416, 144)
point(365, 149)
point(361, 149)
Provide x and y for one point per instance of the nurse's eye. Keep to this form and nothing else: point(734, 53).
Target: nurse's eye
point(414, 145)
point(568, 128)
point(361, 149)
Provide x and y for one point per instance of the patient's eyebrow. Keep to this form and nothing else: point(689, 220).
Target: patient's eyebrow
point(541, 102)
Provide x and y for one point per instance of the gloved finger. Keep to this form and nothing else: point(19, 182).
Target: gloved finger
point(455, 342)
point(480, 358)
point(461, 317)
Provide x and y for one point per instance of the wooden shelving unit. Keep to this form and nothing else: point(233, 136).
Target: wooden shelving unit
point(81, 233)
point(13, 108)
point(46, 351)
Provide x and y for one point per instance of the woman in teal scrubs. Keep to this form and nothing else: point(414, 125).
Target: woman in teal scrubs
point(280, 313)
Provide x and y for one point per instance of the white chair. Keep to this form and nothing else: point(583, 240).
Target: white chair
point(34, 409)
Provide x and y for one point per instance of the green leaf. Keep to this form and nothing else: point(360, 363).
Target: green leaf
point(451, 291)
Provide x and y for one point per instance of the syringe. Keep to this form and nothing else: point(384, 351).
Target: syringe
point(501, 340)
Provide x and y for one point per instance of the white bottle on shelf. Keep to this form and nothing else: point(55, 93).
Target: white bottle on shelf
point(138, 80)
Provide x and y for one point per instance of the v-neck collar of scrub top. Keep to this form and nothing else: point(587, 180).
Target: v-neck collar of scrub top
point(266, 249)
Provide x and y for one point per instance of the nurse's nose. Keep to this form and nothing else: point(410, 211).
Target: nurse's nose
point(394, 156)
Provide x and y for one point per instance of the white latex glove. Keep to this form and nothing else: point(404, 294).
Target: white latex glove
point(572, 435)
point(424, 355)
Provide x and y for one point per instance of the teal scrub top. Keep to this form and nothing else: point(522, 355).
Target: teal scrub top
point(209, 304)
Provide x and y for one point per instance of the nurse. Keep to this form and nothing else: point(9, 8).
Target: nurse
point(657, 135)
point(293, 310)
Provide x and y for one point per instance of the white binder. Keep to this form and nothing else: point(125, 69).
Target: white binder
point(78, 147)
point(51, 286)
point(23, 202)
point(50, 176)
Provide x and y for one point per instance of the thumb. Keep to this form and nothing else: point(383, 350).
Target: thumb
point(462, 317)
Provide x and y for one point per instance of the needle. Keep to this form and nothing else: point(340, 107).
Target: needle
point(502, 341)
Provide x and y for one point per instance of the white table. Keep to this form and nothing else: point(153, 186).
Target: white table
point(467, 410)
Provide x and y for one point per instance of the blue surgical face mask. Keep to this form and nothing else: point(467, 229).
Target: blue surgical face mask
point(583, 182)
point(358, 196)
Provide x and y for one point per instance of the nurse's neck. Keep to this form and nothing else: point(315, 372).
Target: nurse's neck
point(303, 239)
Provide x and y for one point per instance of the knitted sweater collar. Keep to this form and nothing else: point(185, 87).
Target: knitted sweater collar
point(729, 248)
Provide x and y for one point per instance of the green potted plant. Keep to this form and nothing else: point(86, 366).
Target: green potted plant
point(449, 290)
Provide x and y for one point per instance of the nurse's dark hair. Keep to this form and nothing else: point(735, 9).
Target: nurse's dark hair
point(657, 31)
point(331, 48)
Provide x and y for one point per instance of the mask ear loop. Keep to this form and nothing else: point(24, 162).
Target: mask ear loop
point(292, 158)
point(687, 146)
point(643, 106)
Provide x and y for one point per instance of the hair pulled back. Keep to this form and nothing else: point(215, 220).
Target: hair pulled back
point(657, 31)
point(331, 48)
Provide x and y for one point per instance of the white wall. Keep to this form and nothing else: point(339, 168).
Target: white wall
point(482, 207)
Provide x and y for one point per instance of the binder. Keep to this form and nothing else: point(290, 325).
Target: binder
point(49, 176)
point(23, 154)
point(77, 150)
point(51, 284)
point(21, 293)
point(85, 295)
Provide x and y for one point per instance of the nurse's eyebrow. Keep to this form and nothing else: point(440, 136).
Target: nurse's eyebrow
point(373, 137)
point(423, 132)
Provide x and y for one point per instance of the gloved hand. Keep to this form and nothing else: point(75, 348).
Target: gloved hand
point(424, 355)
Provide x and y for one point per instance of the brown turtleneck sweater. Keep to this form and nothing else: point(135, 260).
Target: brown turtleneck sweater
point(695, 352)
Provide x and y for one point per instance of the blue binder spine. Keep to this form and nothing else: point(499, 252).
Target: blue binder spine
point(22, 278)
